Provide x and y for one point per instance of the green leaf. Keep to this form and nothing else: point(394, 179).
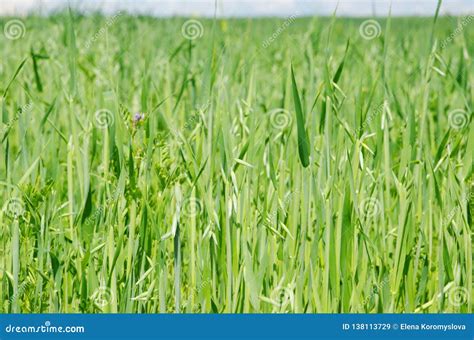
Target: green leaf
point(337, 76)
point(303, 143)
point(131, 167)
point(54, 263)
point(14, 76)
point(46, 115)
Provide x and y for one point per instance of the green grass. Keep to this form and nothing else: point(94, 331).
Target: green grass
point(281, 166)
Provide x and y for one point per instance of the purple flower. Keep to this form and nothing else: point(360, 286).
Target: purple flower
point(138, 117)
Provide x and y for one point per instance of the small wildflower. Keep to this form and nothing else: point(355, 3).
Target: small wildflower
point(138, 117)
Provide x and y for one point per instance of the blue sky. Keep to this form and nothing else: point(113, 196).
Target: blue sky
point(245, 8)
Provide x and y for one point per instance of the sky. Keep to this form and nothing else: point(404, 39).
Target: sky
point(244, 8)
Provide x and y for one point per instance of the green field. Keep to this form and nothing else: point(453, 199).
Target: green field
point(299, 165)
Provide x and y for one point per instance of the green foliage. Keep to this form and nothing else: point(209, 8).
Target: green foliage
point(307, 175)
